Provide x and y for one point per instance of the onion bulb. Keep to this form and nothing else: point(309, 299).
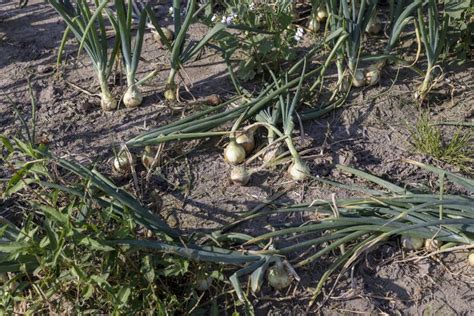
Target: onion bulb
point(278, 277)
point(246, 140)
point(203, 283)
point(298, 169)
point(108, 102)
point(321, 15)
point(359, 79)
point(169, 35)
point(132, 98)
point(432, 245)
point(147, 157)
point(372, 75)
point(471, 259)
point(313, 25)
point(239, 175)
point(170, 94)
point(234, 153)
point(412, 243)
point(374, 26)
point(122, 163)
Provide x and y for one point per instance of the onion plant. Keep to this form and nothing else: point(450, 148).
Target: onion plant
point(433, 37)
point(359, 223)
point(180, 53)
point(89, 29)
point(122, 24)
point(355, 22)
point(199, 124)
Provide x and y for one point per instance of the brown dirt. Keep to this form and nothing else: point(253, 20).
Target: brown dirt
point(370, 133)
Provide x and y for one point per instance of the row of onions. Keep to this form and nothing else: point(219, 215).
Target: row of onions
point(90, 28)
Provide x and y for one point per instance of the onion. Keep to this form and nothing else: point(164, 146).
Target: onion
point(170, 94)
point(3, 278)
point(167, 32)
point(132, 97)
point(147, 157)
point(374, 26)
point(321, 15)
point(298, 170)
point(313, 25)
point(122, 163)
point(432, 245)
point(359, 79)
point(203, 283)
point(278, 277)
point(471, 259)
point(234, 153)
point(412, 243)
point(108, 102)
point(246, 140)
point(372, 75)
point(239, 175)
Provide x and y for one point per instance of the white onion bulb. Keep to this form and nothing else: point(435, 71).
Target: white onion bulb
point(239, 175)
point(169, 35)
point(247, 141)
point(298, 170)
point(122, 163)
point(359, 79)
point(108, 102)
point(321, 15)
point(412, 243)
point(234, 153)
point(132, 97)
point(170, 94)
point(313, 25)
point(471, 259)
point(278, 277)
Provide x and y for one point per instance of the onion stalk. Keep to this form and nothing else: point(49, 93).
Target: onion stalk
point(180, 53)
point(93, 39)
point(122, 24)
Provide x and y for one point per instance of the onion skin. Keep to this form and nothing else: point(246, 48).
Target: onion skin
point(298, 170)
point(122, 163)
point(432, 245)
point(239, 175)
point(471, 259)
point(234, 153)
point(372, 76)
point(247, 141)
point(359, 79)
point(132, 98)
point(147, 157)
point(412, 243)
point(278, 277)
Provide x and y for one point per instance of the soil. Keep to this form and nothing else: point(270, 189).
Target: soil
point(371, 133)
